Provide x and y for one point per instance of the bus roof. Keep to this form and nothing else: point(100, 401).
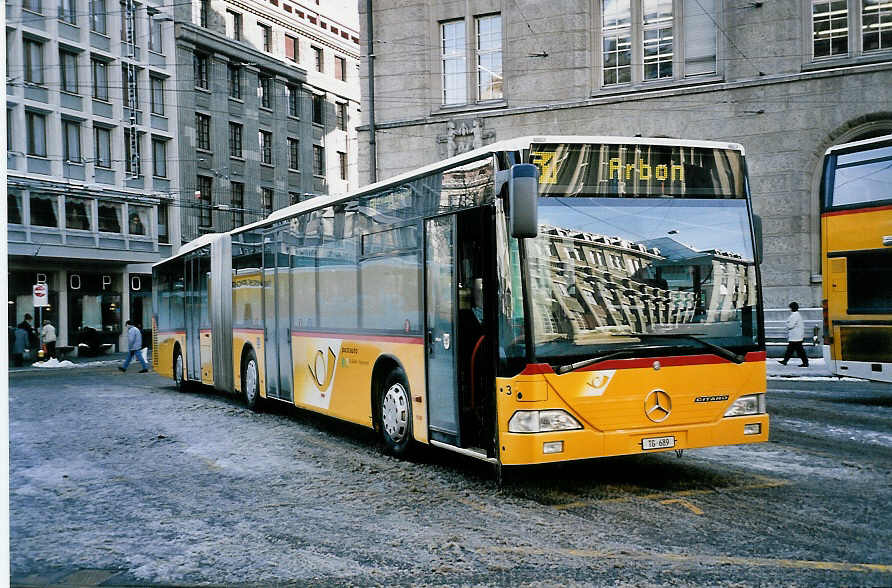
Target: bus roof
point(858, 144)
point(516, 144)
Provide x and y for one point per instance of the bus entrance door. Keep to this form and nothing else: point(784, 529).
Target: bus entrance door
point(276, 318)
point(440, 272)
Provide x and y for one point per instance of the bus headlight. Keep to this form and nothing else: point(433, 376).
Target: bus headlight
point(745, 405)
point(541, 421)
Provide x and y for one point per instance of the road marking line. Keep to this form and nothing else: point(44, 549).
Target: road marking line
point(765, 482)
point(684, 503)
point(832, 566)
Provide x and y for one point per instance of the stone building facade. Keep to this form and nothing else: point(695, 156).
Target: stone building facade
point(787, 80)
point(89, 210)
point(268, 105)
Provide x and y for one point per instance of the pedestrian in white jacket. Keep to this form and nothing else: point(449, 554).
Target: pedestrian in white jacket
point(134, 348)
point(795, 334)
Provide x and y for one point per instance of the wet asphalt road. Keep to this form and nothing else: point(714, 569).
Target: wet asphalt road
point(118, 479)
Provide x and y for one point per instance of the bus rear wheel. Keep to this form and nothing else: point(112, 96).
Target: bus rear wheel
point(395, 414)
point(251, 382)
point(178, 379)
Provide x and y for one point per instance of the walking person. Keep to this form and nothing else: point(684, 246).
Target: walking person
point(795, 334)
point(134, 348)
point(32, 342)
point(48, 334)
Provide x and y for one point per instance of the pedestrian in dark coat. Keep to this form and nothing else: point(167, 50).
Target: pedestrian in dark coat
point(19, 346)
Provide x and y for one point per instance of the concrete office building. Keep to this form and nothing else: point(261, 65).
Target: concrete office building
point(88, 209)
point(268, 103)
point(785, 79)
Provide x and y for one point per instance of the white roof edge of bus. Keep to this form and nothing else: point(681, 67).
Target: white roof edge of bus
point(193, 245)
point(860, 143)
point(505, 145)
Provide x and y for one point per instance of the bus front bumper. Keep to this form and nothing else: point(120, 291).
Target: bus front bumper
point(536, 448)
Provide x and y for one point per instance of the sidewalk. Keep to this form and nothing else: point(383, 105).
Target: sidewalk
point(816, 369)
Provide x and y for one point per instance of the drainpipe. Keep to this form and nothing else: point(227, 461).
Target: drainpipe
point(373, 158)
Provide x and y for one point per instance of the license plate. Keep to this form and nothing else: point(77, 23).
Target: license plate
point(658, 443)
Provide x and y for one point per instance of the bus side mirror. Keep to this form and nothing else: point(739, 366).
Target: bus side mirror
point(757, 233)
point(523, 195)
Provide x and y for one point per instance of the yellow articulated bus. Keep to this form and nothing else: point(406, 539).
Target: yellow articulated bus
point(856, 244)
point(536, 300)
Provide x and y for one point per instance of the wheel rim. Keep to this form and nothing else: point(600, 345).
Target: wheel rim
point(251, 380)
point(395, 412)
point(178, 370)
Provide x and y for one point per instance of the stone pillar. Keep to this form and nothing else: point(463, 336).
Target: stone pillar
point(62, 327)
point(125, 307)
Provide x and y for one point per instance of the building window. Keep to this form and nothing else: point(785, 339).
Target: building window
point(157, 95)
point(68, 11)
point(264, 89)
point(78, 213)
point(489, 57)
point(138, 221)
point(44, 210)
point(237, 201)
point(204, 13)
point(266, 147)
point(293, 101)
point(71, 141)
point(318, 109)
point(453, 60)
point(203, 131)
point(318, 160)
point(36, 124)
point(638, 40)
point(102, 147)
point(205, 201)
point(235, 140)
point(266, 37)
point(235, 81)
point(125, 85)
point(319, 59)
point(109, 217)
point(342, 164)
point(340, 68)
point(292, 50)
point(266, 197)
point(97, 16)
point(100, 79)
point(33, 54)
point(155, 36)
point(234, 25)
point(293, 197)
point(293, 153)
point(159, 158)
point(163, 232)
point(341, 111)
point(68, 70)
point(133, 165)
point(200, 70)
point(32, 5)
point(848, 28)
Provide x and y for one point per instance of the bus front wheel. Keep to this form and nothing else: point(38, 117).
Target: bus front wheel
point(250, 382)
point(395, 413)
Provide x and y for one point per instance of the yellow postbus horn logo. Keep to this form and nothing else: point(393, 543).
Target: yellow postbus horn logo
point(322, 370)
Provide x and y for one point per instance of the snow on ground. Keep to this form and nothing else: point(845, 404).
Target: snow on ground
point(55, 363)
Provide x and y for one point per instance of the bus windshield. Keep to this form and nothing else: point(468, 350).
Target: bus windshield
point(645, 246)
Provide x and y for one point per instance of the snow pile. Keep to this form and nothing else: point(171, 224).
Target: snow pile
point(53, 363)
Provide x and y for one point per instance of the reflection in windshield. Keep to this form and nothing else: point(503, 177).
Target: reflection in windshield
point(641, 266)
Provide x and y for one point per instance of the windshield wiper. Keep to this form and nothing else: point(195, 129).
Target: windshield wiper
point(599, 358)
point(718, 349)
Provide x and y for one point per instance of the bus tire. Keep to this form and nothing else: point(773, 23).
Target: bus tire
point(251, 381)
point(179, 380)
point(395, 414)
